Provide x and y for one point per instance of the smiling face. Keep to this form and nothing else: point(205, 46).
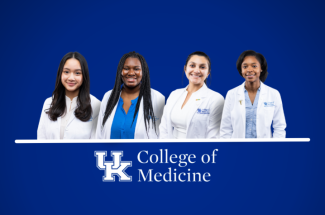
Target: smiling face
point(71, 77)
point(132, 72)
point(251, 69)
point(197, 70)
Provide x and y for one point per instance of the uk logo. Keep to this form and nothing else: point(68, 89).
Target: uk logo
point(113, 168)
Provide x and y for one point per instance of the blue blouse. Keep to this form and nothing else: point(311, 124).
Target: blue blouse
point(121, 126)
point(251, 114)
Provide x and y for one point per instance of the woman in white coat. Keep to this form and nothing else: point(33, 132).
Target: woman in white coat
point(194, 111)
point(71, 112)
point(251, 108)
point(132, 110)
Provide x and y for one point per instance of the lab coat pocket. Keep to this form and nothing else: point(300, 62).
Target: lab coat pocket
point(236, 117)
point(200, 123)
point(84, 131)
point(268, 114)
point(153, 131)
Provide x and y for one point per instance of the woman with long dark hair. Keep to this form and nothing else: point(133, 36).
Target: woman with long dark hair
point(71, 112)
point(132, 110)
point(194, 111)
point(251, 108)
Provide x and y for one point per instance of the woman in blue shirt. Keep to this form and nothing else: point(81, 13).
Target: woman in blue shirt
point(251, 108)
point(132, 110)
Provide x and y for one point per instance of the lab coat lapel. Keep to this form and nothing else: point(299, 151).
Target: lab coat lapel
point(109, 122)
point(199, 97)
point(176, 98)
point(242, 111)
point(261, 98)
point(174, 101)
point(259, 111)
point(140, 121)
point(58, 126)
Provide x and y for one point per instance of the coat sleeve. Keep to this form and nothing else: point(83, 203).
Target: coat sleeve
point(213, 130)
point(226, 128)
point(99, 134)
point(163, 130)
point(279, 122)
point(41, 131)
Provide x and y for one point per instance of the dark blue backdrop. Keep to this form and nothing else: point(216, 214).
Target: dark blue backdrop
point(248, 178)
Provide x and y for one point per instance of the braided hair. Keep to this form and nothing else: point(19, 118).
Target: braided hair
point(145, 92)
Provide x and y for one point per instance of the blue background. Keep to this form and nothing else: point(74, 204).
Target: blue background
point(248, 178)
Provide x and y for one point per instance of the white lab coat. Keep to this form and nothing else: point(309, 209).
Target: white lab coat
point(158, 103)
point(269, 108)
point(75, 129)
point(198, 125)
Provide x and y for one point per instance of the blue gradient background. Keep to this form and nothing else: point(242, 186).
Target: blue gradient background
point(248, 178)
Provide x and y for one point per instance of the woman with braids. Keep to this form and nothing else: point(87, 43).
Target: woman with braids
point(132, 110)
point(251, 108)
point(194, 111)
point(71, 112)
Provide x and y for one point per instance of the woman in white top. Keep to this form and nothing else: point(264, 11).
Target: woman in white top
point(251, 108)
point(195, 111)
point(71, 112)
point(132, 110)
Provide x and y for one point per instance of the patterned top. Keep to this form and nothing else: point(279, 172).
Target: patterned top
point(251, 114)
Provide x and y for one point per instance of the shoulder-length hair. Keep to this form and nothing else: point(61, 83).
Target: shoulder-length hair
point(145, 91)
point(261, 59)
point(58, 105)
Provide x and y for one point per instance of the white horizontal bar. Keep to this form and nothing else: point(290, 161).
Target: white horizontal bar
point(168, 140)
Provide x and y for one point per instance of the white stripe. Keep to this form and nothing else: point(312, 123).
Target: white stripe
point(169, 140)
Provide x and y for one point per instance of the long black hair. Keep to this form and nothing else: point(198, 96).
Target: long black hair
point(261, 59)
point(145, 91)
point(58, 105)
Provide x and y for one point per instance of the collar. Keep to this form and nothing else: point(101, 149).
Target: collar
point(241, 89)
point(199, 91)
point(259, 89)
point(67, 99)
point(134, 101)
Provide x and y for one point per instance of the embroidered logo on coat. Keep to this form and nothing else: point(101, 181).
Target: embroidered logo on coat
point(156, 118)
point(269, 104)
point(203, 111)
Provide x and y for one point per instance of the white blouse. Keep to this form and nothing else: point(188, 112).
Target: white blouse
point(70, 108)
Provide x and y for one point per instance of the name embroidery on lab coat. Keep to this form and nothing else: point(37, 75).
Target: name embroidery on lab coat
point(268, 104)
point(156, 118)
point(203, 111)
